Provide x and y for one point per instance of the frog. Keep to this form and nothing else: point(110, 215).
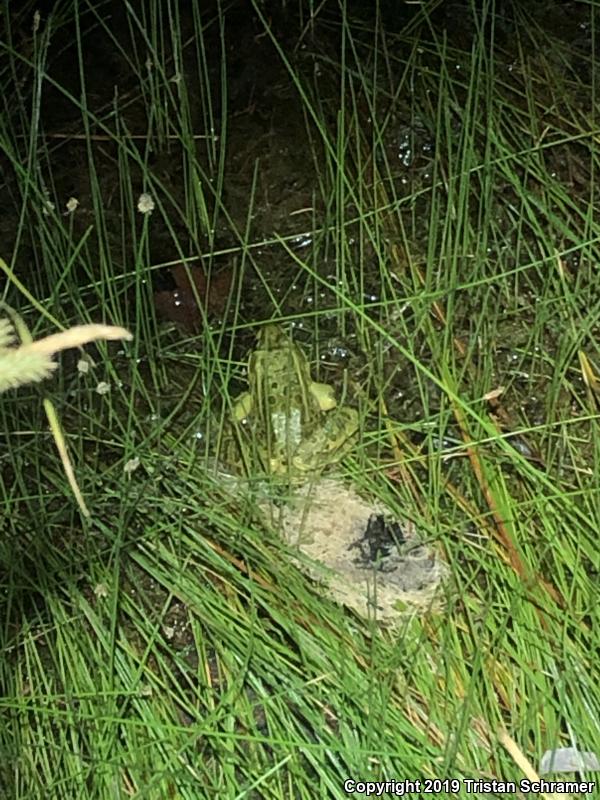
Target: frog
point(294, 424)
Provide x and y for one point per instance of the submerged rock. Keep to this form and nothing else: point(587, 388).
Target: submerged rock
point(367, 559)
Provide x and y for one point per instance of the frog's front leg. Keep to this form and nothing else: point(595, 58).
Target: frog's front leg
point(242, 406)
point(324, 395)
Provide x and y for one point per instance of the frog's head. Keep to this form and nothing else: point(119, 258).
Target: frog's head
point(271, 337)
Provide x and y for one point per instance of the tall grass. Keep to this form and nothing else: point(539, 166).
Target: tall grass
point(441, 238)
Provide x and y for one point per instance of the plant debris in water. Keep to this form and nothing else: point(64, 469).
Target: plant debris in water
point(180, 305)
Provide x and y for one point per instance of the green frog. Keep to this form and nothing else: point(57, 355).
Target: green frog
point(285, 418)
